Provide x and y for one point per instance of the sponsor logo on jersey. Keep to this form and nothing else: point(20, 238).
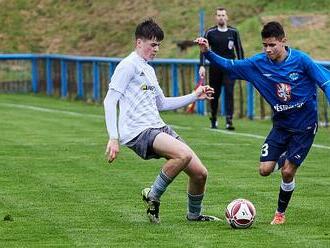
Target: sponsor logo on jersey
point(280, 108)
point(267, 74)
point(145, 87)
point(293, 76)
point(283, 91)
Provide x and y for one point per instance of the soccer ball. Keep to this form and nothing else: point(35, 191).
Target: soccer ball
point(240, 213)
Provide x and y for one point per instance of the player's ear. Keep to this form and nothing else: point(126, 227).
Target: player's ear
point(138, 42)
point(284, 40)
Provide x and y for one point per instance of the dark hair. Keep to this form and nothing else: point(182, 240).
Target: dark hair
point(273, 29)
point(149, 29)
point(220, 9)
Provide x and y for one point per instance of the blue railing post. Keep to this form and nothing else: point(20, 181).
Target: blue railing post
point(34, 76)
point(96, 81)
point(250, 100)
point(49, 79)
point(80, 82)
point(64, 79)
point(112, 67)
point(200, 105)
point(175, 82)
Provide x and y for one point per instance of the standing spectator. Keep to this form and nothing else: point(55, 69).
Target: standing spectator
point(223, 39)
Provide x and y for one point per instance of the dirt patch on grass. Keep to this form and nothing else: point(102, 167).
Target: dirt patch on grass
point(303, 21)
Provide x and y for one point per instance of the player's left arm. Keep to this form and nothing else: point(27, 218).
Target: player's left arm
point(320, 75)
point(170, 103)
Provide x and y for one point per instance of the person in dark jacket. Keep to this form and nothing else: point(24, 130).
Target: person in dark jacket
point(224, 40)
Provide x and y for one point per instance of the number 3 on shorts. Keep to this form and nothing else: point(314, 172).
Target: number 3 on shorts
point(264, 150)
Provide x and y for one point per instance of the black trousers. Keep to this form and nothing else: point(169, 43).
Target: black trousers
point(219, 78)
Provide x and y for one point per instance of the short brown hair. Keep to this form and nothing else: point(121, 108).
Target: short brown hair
point(220, 9)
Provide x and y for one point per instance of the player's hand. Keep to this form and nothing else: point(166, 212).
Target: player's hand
point(204, 92)
point(202, 72)
point(203, 44)
point(112, 150)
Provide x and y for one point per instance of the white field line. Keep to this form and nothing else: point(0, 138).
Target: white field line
point(40, 109)
point(256, 136)
point(174, 126)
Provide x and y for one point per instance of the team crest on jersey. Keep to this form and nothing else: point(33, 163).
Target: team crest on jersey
point(230, 45)
point(293, 76)
point(283, 91)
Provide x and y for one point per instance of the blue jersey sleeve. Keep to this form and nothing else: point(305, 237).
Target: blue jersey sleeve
point(237, 69)
point(318, 74)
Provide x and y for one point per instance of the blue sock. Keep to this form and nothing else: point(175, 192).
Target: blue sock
point(159, 186)
point(194, 205)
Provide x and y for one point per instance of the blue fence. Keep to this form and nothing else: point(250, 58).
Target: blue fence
point(87, 78)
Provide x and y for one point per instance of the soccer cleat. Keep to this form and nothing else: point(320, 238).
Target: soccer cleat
point(214, 123)
point(279, 218)
point(229, 124)
point(230, 127)
point(152, 206)
point(203, 218)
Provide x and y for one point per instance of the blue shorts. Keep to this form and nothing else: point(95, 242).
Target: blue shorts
point(295, 145)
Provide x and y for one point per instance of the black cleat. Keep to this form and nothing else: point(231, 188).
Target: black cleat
point(152, 206)
point(229, 123)
point(214, 123)
point(204, 218)
point(230, 127)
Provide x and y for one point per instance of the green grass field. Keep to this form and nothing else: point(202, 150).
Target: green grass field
point(59, 190)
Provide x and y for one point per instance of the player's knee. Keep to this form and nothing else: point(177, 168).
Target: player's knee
point(184, 157)
point(265, 170)
point(201, 176)
point(287, 173)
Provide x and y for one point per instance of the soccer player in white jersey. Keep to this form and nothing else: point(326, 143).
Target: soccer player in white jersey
point(135, 87)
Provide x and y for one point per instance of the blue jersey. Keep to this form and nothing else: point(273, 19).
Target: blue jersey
point(289, 86)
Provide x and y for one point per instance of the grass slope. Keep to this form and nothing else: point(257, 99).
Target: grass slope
point(60, 192)
point(106, 27)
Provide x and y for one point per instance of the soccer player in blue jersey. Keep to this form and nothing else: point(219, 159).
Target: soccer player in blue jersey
point(287, 79)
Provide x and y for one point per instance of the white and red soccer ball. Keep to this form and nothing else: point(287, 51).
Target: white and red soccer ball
point(240, 213)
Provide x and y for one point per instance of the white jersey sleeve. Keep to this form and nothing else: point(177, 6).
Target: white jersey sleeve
point(171, 103)
point(110, 111)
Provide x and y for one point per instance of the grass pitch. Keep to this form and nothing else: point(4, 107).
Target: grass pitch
point(56, 188)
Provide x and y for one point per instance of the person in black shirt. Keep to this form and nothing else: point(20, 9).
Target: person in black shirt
point(223, 41)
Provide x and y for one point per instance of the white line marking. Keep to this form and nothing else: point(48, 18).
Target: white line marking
point(236, 133)
point(50, 110)
point(174, 126)
point(256, 136)
point(180, 127)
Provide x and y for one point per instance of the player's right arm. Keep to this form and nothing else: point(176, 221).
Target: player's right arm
point(237, 69)
point(110, 109)
point(119, 82)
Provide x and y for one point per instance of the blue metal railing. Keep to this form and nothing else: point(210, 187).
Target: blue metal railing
point(78, 61)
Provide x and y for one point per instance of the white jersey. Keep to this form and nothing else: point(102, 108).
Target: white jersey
point(136, 80)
